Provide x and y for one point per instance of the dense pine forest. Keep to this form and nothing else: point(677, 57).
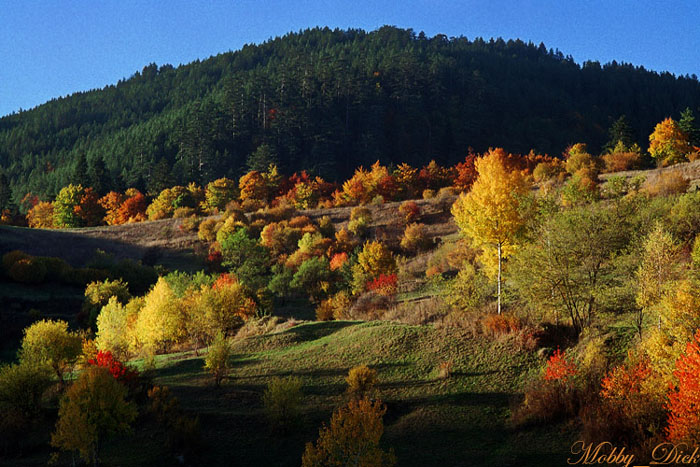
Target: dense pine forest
point(328, 101)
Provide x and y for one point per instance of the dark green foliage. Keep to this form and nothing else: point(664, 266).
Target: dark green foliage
point(620, 131)
point(261, 159)
point(328, 101)
point(689, 127)
point(181, 282)
point(311, 275)
point(246, 258)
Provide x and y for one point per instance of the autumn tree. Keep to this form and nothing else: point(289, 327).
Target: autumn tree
point(94, 408)
point(160, 322)
point(679, 318)
point(659, 269)
point(133, 209)
point(668, 144)
point(253, 186)
point(490, 214)
point(40, 216)
point(114, 326)
point(65, 204)
point(98, 293)
point(571, 262)
point(89, 209)
point(352, 438)
point(50, 343)
point(217, 359)
point(684, 399)
point(219, 193)
point(374, 259)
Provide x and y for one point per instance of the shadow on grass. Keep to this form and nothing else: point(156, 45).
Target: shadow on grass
point(314, 331)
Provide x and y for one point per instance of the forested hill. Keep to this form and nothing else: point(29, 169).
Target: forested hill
point(327, 101)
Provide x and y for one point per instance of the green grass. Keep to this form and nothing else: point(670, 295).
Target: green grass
point(462, 420)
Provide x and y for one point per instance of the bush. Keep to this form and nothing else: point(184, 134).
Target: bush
point(666, 183)
point(28, 271)
point(621, 161)
point(415, 238)
point(190, 224)
point(428, 194)
point(496, 325)
point(361, 381)
point(9, 259)
point(207, 230)
point(360, 219)
point(282, 400)
point(56, 268)
point(410, 211)
point(469, 290)
point(22, 387)
point(352, 438)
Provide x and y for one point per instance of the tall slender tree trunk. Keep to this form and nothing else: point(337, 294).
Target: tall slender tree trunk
point(499, 278)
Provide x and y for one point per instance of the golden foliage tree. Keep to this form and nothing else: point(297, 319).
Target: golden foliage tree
point(374, 259)
point(668, 143)
point(95, 407)
point(160, 322)
point(352, 438)
point(50, 343)
point(490, 214)
point(41, 216)
point(659, 268)
point(217, 359)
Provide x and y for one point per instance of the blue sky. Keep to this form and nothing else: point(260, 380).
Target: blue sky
point(53, 48)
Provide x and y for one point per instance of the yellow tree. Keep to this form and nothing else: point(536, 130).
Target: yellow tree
point(94, 408)
point(490, 214)
point(668, 143)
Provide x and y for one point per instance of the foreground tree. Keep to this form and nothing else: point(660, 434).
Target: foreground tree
point(571, 262)
point(352, 438)
point(490, 214)
point(94, 408)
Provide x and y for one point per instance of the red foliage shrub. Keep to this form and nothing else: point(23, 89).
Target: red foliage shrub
point(117, 369)
point(501, 324)
point(385, 284)
point(559, 367)
point(684, 400)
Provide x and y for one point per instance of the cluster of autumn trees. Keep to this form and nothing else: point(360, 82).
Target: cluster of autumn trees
point(595, 258)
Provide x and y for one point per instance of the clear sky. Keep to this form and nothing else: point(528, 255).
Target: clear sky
point(52, 48)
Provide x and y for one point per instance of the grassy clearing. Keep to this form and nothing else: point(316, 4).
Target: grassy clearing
point(461, 420)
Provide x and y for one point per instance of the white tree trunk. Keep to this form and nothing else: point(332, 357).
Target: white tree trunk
point(499, 278)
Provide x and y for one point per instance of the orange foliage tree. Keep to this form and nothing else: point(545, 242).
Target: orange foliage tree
point(668, 143)
point(89, 210)
point(133, 209)
point(41, 215)
point(684, 400)
point(111, 203)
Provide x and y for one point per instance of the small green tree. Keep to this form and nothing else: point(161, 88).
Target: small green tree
point(68, 198)
point(217, 359)
point(282, 399)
